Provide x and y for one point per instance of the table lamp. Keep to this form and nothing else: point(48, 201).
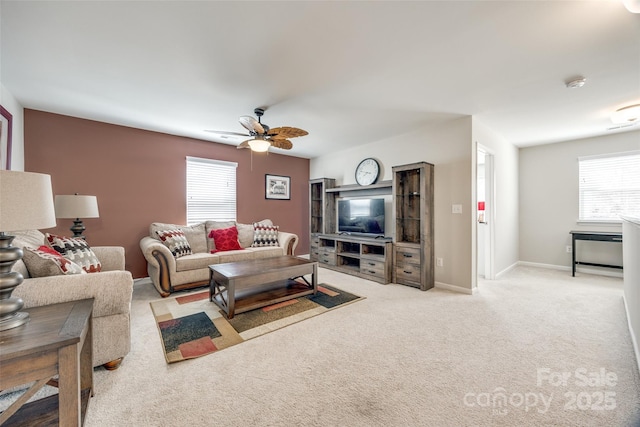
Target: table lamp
point(26, 203)
point(76, 207)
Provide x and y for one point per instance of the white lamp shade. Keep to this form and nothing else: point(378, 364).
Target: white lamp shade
point(632, 5)
point(76, 206)
point(259, 145)
point(26, 201)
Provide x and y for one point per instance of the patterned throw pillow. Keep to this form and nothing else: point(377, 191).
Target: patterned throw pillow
point(264, 235)
point(75, 249)
point(226, 239)
point(176, 241)
point(44, 262)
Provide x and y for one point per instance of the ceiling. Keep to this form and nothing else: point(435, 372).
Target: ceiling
point(350, 73)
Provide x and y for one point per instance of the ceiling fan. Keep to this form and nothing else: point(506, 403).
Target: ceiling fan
point(262, 136)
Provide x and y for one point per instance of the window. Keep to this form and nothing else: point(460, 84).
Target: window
point(609, 186)
point(211, 190)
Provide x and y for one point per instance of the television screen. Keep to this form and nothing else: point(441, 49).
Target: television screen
point(364, 216)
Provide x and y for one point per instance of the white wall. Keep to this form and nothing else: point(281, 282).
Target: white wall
point(505, 222)
point(17, 146)
point(448, 147)
point(549, 200)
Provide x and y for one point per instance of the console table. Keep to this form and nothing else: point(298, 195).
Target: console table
point(598, 236)
point(56, 340)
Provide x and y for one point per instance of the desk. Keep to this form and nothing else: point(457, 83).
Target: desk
point(56, 340)
point(598, 236)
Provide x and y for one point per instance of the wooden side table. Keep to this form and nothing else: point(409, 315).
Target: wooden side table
point(56, 340)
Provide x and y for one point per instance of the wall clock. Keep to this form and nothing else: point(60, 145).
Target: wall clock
point(367, 171)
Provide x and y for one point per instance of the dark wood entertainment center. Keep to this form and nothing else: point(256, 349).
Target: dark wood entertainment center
point(406, 258)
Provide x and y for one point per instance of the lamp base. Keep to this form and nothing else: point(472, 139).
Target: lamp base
point(77, 228)
point(14, 321)
point(9, 280)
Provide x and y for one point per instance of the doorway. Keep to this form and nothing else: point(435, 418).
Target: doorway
point(485, 213)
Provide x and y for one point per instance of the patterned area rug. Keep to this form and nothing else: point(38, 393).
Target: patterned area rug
point(191, 326)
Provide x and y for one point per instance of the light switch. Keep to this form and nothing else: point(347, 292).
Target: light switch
point(456, 209)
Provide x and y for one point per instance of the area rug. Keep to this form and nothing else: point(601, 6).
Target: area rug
point(191, 326)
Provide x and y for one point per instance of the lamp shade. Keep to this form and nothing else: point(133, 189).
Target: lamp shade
point(632, 6)
point(76, 206)
point(26, 201)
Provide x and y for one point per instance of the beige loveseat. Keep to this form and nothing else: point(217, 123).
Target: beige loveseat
point(170, 274)
point(111, 289)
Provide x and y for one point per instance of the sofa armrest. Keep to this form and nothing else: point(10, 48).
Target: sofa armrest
point(111, 257)
point(161, 264)
point(288, 241)
point(112, 291)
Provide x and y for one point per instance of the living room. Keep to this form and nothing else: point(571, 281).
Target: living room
point(138, 172)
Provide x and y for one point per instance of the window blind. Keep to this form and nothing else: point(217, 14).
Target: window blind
point(211, 190)
point(609, 186)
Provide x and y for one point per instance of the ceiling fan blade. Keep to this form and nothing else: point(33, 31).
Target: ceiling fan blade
point(243, 144)
point(286, 132)
point(222, 132)
point(251, 124)
point(285, 144)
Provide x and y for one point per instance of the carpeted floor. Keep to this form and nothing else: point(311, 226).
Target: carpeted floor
point(535, 348)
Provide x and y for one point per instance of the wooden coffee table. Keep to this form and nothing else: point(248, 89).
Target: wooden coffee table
point(56, 340)
point(241, 286)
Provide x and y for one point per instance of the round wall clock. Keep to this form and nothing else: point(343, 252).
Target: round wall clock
point(367, 171)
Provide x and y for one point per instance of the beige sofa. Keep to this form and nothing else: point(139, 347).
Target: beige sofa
point(111, 289)
point(170, 274)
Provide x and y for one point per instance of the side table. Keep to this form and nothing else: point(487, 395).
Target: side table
point(56, 340)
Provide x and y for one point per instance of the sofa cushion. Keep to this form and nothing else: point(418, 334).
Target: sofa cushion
point(44, 262)
point(245, 234)
point(266, 252)
point(75, 249)
point(226, 239)
point(196, 234)
point(215, 225)
point(264, 235)
point(235, 256)
point(176, 241)
point(196, 261)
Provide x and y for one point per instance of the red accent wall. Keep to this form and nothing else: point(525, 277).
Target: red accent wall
point(139, 177)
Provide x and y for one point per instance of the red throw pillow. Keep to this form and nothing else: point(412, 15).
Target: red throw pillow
point(226, 239)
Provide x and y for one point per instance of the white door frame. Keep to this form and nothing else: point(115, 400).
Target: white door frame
point(490, 212)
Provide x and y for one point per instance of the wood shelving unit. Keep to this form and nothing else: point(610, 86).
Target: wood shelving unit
point(413, 221)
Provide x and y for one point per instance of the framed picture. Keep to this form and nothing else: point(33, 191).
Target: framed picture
point(6, 130)
point(277, 187)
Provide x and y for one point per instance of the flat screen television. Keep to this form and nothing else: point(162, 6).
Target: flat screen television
point(361, 216)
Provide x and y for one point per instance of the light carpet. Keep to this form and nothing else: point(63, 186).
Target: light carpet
point(191, 326)
point(401, 357)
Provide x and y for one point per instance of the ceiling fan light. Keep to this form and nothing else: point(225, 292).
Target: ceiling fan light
point(628, 114)
point(259, 145)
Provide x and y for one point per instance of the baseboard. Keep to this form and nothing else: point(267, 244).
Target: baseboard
point(594, 271)
point(506, 270)
point(142, 281)
point(634, 341)
point(454, 288)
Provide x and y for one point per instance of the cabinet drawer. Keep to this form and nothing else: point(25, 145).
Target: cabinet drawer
point(408, 274)
point(375, 268)
point(327, 258)
point(407, 255)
